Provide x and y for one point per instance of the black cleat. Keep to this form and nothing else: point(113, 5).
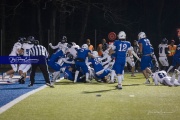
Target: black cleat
point(21, 80)
point(30, 85)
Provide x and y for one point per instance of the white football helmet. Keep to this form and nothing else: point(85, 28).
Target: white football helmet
point(95, 54)
point(85, 46)
point(141, 35)
point(122, 35)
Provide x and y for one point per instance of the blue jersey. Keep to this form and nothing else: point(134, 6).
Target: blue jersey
point(146, 46)
point(96, 63)
point(177, 53)
point(121, 48)
point(82, 53)
point(57, 55)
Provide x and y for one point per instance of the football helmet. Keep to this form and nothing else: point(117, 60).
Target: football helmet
point(141, 35)
point(164, 41)
point(85, 46)
point(95, 54)
point(122, 35)
point(36, 42)
point(30, 38)
point(21, 39)
point(64, 39)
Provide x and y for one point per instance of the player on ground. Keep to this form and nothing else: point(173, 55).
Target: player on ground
point(162, 78)
point(100, 72)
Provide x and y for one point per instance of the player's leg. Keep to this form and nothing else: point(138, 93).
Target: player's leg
point(132, 69)
point(32, 74)
point(168, 82)
point(119, 70)
point(145, 62)
point(77, 71)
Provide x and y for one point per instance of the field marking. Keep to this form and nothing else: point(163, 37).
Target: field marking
point(22, 97)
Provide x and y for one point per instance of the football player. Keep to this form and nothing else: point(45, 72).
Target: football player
point(16, 50)
point(23, 68)
point(120, 47)
point(163, 51)
point(80, 62)
point(164, 79)
point(146, 53)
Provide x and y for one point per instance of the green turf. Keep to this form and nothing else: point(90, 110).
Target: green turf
point(100, 101)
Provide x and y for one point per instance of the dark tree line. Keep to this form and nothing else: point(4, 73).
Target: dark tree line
point(49, 20)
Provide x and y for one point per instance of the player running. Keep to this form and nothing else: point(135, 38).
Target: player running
point(120, 47)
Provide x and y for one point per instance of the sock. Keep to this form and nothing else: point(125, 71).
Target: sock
point(5, 74)
point(112, 75)
point(87, 76)
point(170, 68)
point(76, 75)
point(119, 77)
point(173, 77)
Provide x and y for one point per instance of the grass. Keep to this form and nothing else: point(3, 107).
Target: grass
point(99, 101)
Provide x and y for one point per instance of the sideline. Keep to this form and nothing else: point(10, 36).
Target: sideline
point(22, 97)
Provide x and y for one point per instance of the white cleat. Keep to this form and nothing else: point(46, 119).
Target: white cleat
point(147, 82)
point(56, 75)
point(88, 81)
point(177, 72)
point(3, 76)
point(119, 86)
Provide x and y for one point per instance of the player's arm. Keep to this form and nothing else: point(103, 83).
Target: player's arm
point(167, 51)
point(135, 55)
point(130, 54)
point(90, 55)
point(66, 61)
point(140, 48)
point(54, 47)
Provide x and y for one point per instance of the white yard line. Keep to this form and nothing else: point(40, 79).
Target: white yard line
point(22, 97)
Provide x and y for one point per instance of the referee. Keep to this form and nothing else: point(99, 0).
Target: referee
point(40, 52)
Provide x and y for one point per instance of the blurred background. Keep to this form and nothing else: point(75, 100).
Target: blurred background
point(49, 20)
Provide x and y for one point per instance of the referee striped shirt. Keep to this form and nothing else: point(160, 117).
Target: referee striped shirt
point(38, 50)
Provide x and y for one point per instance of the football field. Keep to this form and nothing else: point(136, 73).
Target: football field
point(99, 101)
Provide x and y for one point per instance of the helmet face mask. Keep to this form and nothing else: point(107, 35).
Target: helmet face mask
point(122, 35)
point(141, 35)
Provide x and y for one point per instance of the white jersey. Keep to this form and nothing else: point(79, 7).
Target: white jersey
point(73, 51)
point(26, 48)
point(162, 48)
point(15, 49)
point(131, 49)
point(160, 75)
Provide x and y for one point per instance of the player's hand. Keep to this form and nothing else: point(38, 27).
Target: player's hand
point(50, 44)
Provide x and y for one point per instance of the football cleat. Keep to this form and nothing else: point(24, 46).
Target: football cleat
point(147, 81)
point(119, 86)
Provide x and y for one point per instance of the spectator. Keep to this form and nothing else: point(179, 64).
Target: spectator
point(172, 49)
point(102, 47)
point(90, 47)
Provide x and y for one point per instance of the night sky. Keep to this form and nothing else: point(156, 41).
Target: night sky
point(157, 18)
